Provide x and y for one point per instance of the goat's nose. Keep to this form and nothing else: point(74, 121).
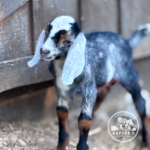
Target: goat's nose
point(44, 52)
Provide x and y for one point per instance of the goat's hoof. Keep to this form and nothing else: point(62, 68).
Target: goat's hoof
point(82, 147)
point(62, 148)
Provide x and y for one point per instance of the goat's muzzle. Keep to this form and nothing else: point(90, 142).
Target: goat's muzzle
point(44, 52)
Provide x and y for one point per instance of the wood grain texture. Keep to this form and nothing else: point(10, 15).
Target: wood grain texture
point(44, 11)
point(7, 7)
point(16, 73)
point(15, 47)
point(99, 15)
point(15, 35)
point(28, 103)
point(133, 14)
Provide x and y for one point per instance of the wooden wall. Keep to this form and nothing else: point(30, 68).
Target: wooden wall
point(99, 15)
point(133, 14)
point(21, 22)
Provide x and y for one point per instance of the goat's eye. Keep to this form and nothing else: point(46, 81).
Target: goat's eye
point(67, 43)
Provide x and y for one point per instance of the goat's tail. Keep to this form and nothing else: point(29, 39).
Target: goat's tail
point(137, 36)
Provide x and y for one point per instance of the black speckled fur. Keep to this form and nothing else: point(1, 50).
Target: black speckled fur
point(101, 47)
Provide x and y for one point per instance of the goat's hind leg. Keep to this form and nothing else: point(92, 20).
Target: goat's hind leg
point(132, 86)
point(62, 114)
point(101, 95)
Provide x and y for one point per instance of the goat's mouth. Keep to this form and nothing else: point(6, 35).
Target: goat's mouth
point(50, 57)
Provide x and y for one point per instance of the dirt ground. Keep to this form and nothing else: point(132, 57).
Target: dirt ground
point(41, 134)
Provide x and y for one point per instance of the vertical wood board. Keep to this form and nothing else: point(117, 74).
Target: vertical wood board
point(133, 14)
point(7, 7)
point(99, 15)
point(15, 35)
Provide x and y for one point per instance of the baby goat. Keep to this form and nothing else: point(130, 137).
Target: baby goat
point(81, 64)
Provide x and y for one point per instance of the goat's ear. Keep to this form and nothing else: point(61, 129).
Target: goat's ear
point(75, 61)
point(37, 56)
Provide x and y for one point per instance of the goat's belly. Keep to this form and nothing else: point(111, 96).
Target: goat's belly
point(106, 85)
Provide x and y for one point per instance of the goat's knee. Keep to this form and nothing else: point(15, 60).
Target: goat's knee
point(63, 135)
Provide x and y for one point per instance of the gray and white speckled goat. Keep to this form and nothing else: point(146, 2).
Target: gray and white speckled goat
point(87, 65)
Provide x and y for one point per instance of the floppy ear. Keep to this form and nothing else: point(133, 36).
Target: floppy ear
point(75, 61)
point(37, 56)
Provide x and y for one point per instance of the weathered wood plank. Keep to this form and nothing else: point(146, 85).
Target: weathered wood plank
point(44, 11)
point(15, 51)
point(15, 35)
point(99, 15)
point(28, 103)
point(133, 14)
point(16, 73)
point(7, 7)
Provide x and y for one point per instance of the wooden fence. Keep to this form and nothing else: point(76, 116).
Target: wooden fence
point(21, 22)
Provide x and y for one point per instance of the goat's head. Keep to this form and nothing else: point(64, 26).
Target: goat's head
point(62, 37)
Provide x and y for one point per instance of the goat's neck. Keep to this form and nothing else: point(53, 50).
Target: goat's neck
point(58, 63)
point(58, 69)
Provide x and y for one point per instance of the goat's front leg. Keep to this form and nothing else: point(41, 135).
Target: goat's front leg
point(62, 114)
point(85, 119)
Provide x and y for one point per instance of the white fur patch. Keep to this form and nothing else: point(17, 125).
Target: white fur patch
point(62, 102)
point(63, 88)
point(49, 44)
point(67, 148)
point(110, 70)
point(146, 95)
point(100, 54)
point(61, 23)
point(112, 47)
point(145, 26)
